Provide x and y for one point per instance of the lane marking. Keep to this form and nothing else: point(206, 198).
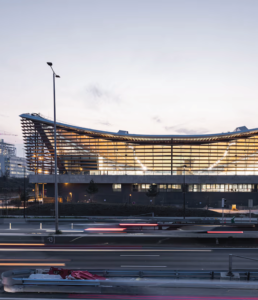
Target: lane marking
point(130, 266)
point(76, 238)
point(139, 255)
point(33, 264)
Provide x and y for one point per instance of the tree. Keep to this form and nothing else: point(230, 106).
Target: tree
point(16, 202)
point(152, 191)
point(6, 201)
point(92, 188)
point(5, 178)
point(26, 196)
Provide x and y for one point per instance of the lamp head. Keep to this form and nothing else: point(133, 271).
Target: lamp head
point(57, 76)
point(50, 64)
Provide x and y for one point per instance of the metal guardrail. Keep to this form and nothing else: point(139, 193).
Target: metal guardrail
point(18, 280)
point(147, 214)
point(22, 276)
point(230, 265)
point(59, 282)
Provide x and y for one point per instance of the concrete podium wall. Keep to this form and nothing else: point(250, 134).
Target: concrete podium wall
point(193, 199)
point(77, 184)
point(158, 179)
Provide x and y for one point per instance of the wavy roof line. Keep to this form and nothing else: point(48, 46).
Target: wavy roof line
point(216, 136)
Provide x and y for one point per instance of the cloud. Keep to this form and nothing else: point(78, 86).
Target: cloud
point(98, 95)
point(157, 119)
point(3, 116)
point(186, 128)
point(105, 123)
point(169, 128)
point(187, 131)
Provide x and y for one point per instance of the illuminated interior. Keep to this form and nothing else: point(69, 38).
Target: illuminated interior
point(86, 151)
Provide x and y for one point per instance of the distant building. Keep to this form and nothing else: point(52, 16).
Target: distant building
point(10, 164)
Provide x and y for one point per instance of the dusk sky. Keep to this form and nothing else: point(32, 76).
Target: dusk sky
point(163, 67)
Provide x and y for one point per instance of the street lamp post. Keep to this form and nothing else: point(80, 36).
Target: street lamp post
point(56, 186)
point(24, 189)
point(184, 190)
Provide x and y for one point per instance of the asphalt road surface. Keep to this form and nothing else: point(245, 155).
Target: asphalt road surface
point(124, 258)
point(135, 258)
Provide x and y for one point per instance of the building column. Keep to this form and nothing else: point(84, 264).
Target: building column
point(43, 192)
point(36, 192)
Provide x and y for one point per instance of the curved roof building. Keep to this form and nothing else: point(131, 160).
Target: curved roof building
point(92, 152)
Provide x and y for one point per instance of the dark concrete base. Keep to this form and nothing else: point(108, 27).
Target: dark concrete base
point(192, 199)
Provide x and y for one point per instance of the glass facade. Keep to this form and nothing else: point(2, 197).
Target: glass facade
point(85, 151)
point(10, 164)
point(117, 187)
point(221, 188)
point(169, 188)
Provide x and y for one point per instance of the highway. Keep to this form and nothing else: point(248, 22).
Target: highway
point(20, 226)
point(122, 258)
point(140, 256)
